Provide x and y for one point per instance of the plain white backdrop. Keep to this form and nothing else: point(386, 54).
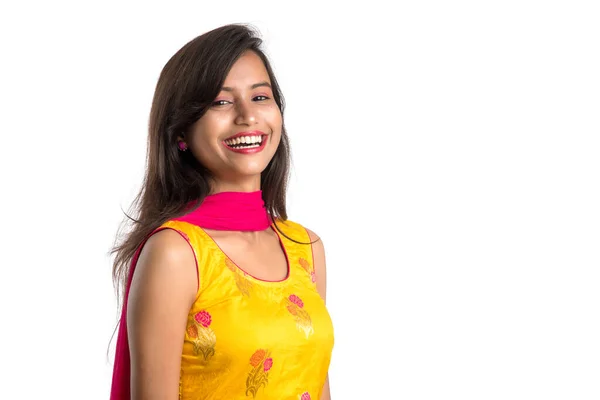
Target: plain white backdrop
point(446, 152)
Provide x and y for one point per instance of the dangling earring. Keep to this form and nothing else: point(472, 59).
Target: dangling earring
point(182, 146)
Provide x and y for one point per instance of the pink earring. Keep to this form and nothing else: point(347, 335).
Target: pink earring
point(182, 146)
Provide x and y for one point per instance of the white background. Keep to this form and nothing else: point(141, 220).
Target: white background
point(447, 153)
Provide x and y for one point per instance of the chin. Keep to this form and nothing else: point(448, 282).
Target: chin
point(251, 171)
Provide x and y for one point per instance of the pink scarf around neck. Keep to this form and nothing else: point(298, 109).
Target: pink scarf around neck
point(229, 211)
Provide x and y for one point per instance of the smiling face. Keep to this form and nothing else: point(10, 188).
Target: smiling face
point(238, 135)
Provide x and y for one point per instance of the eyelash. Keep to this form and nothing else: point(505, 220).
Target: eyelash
point(217, 103)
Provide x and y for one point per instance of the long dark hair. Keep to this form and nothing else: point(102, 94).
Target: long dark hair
point(187, 86)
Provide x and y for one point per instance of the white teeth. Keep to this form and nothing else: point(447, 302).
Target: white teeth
point(249, 140)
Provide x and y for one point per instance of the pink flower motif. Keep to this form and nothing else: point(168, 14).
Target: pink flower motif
point(296, 300)
point(203, 318)
point(305, 396)
point(268, 364)
point(313, 277)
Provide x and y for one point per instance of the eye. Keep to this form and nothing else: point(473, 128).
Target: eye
point(260, 98)
point(218, 103)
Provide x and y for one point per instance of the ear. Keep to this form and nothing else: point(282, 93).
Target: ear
point(181, 144)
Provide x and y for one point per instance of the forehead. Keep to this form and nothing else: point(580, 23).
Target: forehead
point(247, 70)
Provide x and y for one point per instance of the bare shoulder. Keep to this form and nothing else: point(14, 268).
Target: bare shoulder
point(317, 247)
point(318, 250)
point(168, 246)
point(312, 234)
point(166, 264)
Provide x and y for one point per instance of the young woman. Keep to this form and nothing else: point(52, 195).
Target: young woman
point(224, 297)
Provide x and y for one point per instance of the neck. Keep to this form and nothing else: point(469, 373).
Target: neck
point(245, 186)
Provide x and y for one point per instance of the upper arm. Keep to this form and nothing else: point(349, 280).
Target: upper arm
point(162, 291)
point(321, 280)
point(318, 251)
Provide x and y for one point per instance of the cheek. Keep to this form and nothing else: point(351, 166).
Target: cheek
point(275, 140)
point(200, 143)
point(206, 129)
point(276, 126)
point(275, 120)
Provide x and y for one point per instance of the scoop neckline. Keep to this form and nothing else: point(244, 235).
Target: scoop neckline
point(247, 274)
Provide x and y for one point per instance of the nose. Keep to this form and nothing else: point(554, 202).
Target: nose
point(246, 114)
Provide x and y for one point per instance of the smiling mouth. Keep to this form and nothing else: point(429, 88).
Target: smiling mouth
point(245, 142)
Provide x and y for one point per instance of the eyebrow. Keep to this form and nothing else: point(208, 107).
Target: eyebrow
point(256, 85)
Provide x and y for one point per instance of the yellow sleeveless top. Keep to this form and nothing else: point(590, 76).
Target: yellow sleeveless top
point(248, 338)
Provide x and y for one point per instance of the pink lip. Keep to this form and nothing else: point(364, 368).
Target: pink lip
point(249, 133)
point(251, 150)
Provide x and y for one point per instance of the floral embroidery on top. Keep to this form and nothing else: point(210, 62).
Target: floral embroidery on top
point(200, 334)
point(243, 284)
point(261, 365)
point(304, 396)
point(308, 268)
point(296, 300)
point(295, 306)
